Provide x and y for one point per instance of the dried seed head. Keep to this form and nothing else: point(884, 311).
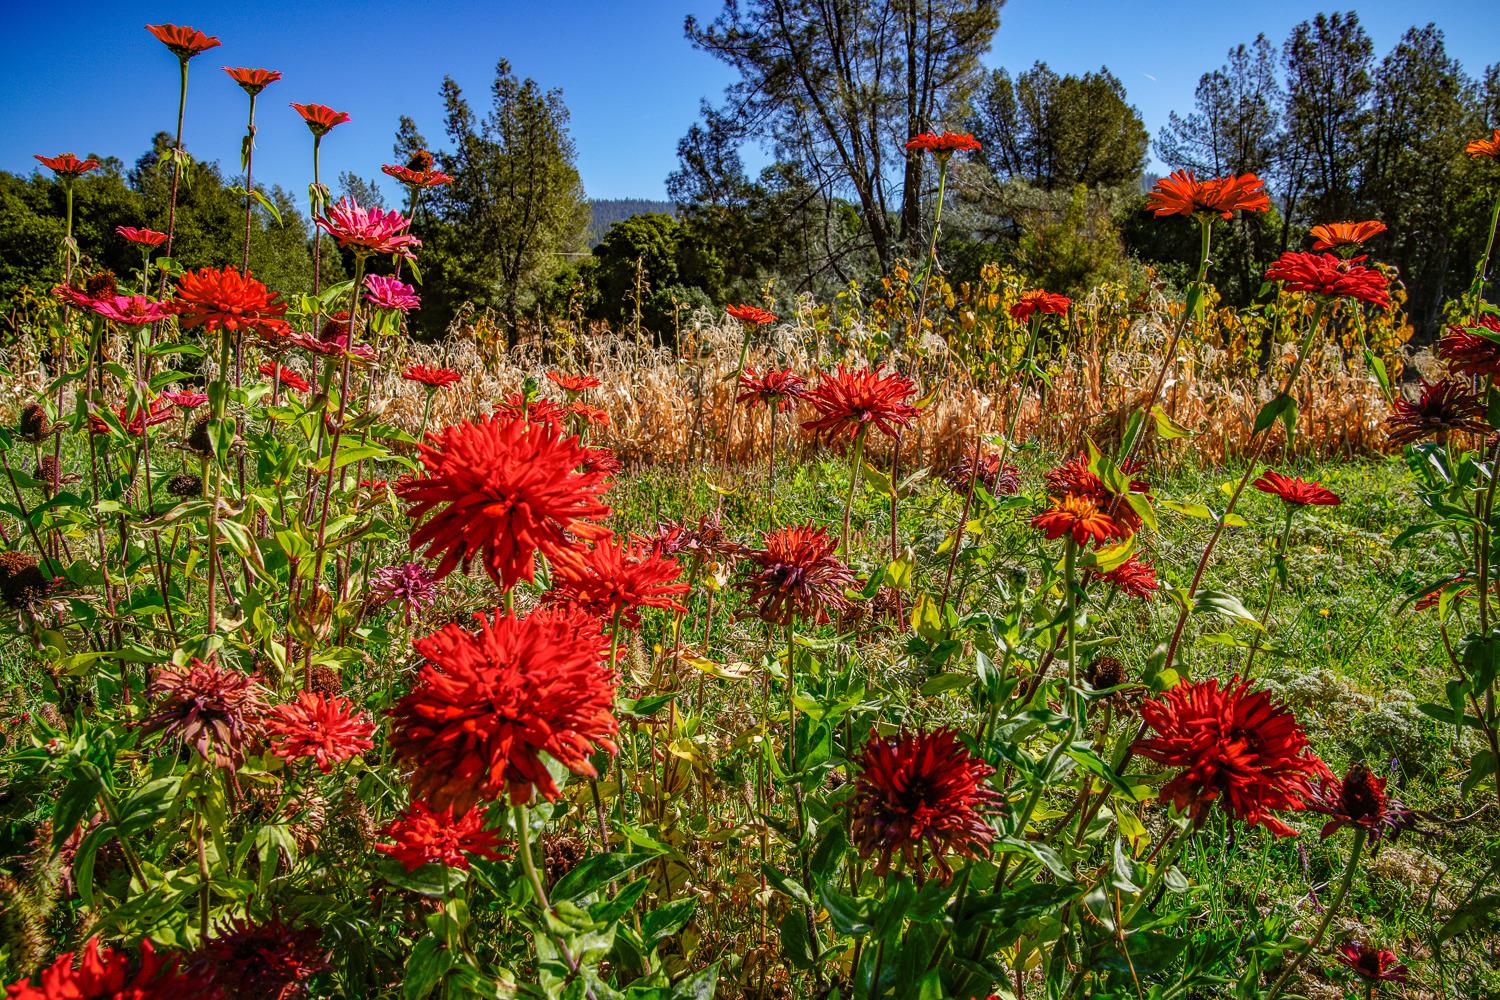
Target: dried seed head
point(199, 442)
point(22, 583)
point(185, 486)
point(102, 286)
point(34, 425)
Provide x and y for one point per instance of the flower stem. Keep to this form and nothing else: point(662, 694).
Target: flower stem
point(856, 457)
point(1328, 914)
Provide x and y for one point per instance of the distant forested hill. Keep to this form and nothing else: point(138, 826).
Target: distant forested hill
point(607, 211)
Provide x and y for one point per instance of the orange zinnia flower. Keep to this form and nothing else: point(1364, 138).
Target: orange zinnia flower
point(252, 81)
point(1080, 517)
point(184, 42)
point(1482, 148)
point(1333, 235)
point(1184, 194)
point(66, 164)
point(751, 315)
point(945, 144)
point(320, 118)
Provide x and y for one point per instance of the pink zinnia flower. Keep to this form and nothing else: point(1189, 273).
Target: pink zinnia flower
point(368, 230)
point(391, 293)
point(185, 398)
point(131, 310)
point(142, 237)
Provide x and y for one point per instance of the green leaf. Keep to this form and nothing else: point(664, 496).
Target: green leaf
point(425, 968)
point(1107, 560)
point(1221, 603)
point(1277, 409)
point(596, 872)
point(662, 923)
point(1167, 428)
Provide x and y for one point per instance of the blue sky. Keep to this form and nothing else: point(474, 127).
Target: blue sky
point(92, 80)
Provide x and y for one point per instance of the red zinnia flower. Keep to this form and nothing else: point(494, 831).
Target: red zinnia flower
point(1297, 492)
point(269, 960)
point(487, 703)
point(1373, 965)
point(590, 415)
point(1039, 301)
point(1081, 517)
point(423, 836)
point(1183, 193)
point(750, 315)
point(320, 118)
point(67, 165)
point(417, 178)
point(797, 575)
point(1234, 746)
point(774, 388)
point(504, 490)
point(1133, 578)
point(225, 299)
point(1445, 405)
point(614, 579)
point(252, 81)
point(368, 230)
point(573, 383)
point(543, 411)
point(1433, 597)
point(103, 975)
point(918, 790)
point(601, 460)
point(158, 411)
point(849, 402)
point(142, 237)
point(1481, 148)
point(1333, 235)
point(326, 729)
point(1360, 799)
point(943, 144)
point(1331, 276)
point(285, 376)
point(1473, 353)
point(184, 42)
point(186, 399)
point(333, 345)
point(437, 378)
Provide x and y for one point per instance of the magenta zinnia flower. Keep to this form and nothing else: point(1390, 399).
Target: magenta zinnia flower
point(368, 230)
point(390, 293)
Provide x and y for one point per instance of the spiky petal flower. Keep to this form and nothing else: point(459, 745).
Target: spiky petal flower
point(433, 378)
point(1331, 276)
point(252, 81)
point(1133, 578)
point(390, 293)
point(1296, 492)
point(797, 575)
point(1342, 235)
point(184, 42)
point(944, 144)
point(329, 730)
point(1075, 478)
point(368, 230)
point(320, 118)
point(1373, 965)
point(268, 960)
point(224, 299)
point(487, 704)
point(1182, 193)
point(849, 402)
point(212, 708)
point(573, 383)
point(142, 237)
point(1472, 353)
point(422, 836)
point(751, 315)
point(418, 172)
point(922, 790)
point(410, 584)
point(1234, 746)
point(103, 974)
point(67, 165)
point(1360, 799)
point(1485, 148)
point(1443, 406)
point(1081, 518)
point(614, 579)
point(779, 389)
point(1039, 301)
point(503, 490)
point(285, 376)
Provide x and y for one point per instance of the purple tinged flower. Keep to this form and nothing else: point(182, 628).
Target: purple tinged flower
point(410, 583)
point(391, 293)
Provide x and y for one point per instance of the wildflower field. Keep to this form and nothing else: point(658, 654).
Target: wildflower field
point(969, 641)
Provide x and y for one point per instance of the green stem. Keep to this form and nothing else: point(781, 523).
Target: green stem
point(1328, 914)
point(856, 457)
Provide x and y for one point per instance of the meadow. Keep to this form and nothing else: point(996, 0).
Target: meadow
point(946, 640)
